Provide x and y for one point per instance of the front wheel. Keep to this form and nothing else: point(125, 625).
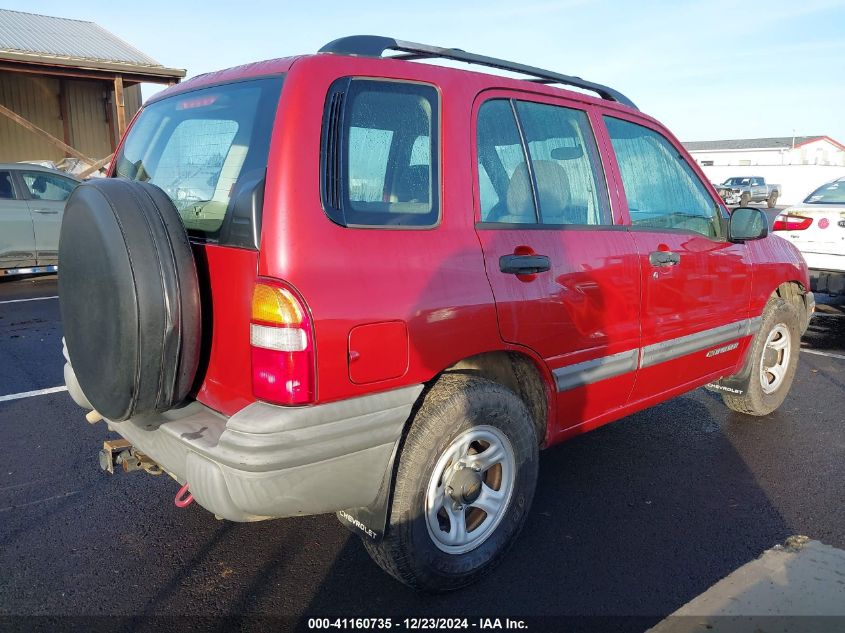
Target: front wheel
point(745, 199)
point(466, 478)
point(774, 359)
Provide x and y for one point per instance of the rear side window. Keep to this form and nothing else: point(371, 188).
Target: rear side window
point(205, 149)
point(662, 190)
point(500, 154)
point(549, 159)
point(379, 159)
point(564, 159)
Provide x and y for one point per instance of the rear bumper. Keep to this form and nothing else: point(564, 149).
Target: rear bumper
point(267, 461)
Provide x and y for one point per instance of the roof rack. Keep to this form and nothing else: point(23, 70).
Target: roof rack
point(375, 46)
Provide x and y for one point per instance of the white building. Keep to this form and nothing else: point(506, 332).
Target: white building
point(786, 150)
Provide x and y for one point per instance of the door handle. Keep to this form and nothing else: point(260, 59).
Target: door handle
point(662, 259)
point(46, 212)
point(524, 264)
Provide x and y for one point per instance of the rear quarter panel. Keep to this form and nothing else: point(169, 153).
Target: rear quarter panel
point(432, 280)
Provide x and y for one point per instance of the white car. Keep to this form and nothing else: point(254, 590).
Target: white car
point(817, 228)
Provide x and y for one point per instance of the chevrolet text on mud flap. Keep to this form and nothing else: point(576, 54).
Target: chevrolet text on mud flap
point(310, 287)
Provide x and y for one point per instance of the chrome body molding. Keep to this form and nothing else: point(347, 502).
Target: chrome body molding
point(591, 371)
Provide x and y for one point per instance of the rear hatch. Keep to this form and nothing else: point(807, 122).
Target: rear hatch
point(208, 150)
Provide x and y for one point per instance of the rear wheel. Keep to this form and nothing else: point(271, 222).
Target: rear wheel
point(773, 200)
point(465, 482)
point(773, 357)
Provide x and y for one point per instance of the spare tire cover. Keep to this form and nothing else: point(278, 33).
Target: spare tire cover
point(129, 297)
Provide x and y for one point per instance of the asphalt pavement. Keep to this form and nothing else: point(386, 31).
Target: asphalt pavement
point(629, 522)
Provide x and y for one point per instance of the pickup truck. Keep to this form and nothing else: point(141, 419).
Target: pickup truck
point(744, 189)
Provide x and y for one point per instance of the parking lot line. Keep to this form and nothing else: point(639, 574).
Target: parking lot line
point(33, 299)
point(819, 353)
point(30, 394)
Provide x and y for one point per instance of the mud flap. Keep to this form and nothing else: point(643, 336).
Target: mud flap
point(736, 384)
point(370, 522)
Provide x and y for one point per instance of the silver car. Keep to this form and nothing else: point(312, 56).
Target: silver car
point(32, 201)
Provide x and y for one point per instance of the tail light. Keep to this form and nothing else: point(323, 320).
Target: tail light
point(282, 339)
point(792, 223)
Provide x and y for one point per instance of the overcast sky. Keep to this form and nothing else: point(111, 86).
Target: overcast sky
point(708, 70)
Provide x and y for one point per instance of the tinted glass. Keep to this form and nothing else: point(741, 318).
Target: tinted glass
point(43, 186)
point(388, 154)
point(662, 190)
point(199, 146)
point(564, 159)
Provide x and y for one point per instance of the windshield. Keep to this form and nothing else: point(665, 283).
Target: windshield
point(732, 182)
point(199, 146)
point(831, 193)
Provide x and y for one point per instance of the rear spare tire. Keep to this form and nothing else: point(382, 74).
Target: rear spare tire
point(129, 298)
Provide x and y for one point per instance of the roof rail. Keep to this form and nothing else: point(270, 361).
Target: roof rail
point(375, 46)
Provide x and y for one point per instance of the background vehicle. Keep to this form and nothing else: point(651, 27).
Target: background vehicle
point(32, 201)
point(817, 228)
point(387, 307)
point(743, 190)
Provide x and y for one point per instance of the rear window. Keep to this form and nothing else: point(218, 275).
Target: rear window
point(831, 193)
point(204, 149)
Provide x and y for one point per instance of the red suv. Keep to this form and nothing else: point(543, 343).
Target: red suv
point(350, 282)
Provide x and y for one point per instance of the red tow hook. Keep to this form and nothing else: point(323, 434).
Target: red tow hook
point(183, 497)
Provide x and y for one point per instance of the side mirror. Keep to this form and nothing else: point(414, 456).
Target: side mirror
point(747, 224)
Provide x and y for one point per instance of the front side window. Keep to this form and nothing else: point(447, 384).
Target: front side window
point(662, 190)
point(201, 147)
point(380, 154)
point(43, 186)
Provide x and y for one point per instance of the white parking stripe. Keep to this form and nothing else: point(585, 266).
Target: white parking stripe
point(818, 353)
point(33, 299)
point(30, 394)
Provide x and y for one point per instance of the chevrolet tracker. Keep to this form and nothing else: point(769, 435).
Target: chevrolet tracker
point(351, 282)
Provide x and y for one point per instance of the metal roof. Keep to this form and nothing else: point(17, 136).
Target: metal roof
point(42, 39)
point(776, 142)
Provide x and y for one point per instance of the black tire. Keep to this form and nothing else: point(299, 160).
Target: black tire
point(129, 298)
point(744, 200)
point(754, 400)
point(772, 200)
point(456, 404)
